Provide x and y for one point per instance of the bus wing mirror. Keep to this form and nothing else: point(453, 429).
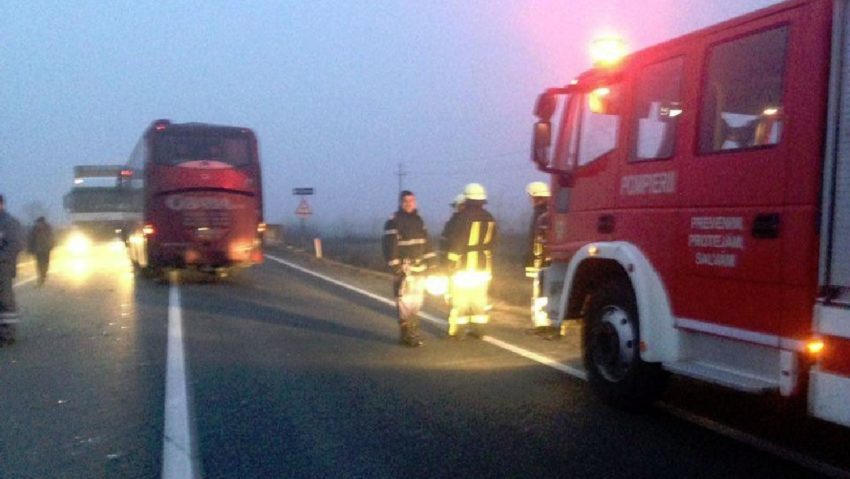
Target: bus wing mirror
point(542, 141)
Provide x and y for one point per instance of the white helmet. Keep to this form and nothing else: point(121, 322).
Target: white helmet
point(459, 199)
point(537, 189)
point(474, 191)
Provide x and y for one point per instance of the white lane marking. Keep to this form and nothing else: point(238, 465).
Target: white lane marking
point(24, 281)
point(178, 459)
point(564, 368)
point(729, 432)
point(755, 442)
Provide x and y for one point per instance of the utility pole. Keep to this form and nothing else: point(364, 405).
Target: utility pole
point(401, 174)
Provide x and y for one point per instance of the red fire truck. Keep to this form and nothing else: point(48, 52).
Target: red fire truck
point(199, 191)
point(699, 222)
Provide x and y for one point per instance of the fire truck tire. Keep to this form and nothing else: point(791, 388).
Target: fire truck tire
point(615, 370)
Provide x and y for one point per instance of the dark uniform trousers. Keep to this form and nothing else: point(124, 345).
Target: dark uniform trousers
point(408, 253)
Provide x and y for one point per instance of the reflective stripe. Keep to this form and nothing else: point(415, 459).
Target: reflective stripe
point(390, 232)
point(480, 319)
point(429, 255)
point(453, 256)
point(472, 260)
point(411, 242)
point(489, 235)
point(394, 262)
point(474, 233)
point(417, 269)
point(12, 317)
point(488, 255)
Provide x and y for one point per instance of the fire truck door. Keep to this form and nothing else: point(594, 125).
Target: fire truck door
point(589, 149)
point(734, 187)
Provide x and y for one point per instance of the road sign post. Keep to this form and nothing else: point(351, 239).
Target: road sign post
point(303, 211)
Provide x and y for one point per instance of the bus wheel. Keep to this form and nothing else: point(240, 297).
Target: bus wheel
point(615, 369)
point(153, 272)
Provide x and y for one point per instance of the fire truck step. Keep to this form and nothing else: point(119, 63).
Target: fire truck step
point(723, 376)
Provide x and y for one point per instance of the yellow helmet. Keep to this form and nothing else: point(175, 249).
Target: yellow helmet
point(474, 191)
point(538, 188)
point(459, 199)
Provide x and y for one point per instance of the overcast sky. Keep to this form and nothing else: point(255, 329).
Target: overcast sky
point(338, 92)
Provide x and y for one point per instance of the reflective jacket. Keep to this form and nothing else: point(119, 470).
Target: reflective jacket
point(472, 238)
point(406, 241)
point(11, 243)
point(537, 254)
point(446, 235)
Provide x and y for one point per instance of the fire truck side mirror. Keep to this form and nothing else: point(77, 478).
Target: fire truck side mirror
point(542, 141)
point(545, 106)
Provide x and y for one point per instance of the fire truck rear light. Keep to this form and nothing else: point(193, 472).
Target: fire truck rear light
point(261, 228)
point(148, 230)
point(815, 347)
point(593, 251)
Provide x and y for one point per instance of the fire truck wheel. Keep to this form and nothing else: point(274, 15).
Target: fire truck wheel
point(615, 369)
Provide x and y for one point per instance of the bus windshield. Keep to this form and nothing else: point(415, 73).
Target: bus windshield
point(173, 150)
point(97, 200)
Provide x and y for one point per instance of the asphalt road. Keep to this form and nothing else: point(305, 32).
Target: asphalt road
point(291, 376)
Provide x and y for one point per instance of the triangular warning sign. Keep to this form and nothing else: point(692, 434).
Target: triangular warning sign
point(303, 210)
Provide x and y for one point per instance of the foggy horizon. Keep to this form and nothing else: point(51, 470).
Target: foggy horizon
point(339, 94)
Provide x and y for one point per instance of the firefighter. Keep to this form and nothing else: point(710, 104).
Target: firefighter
point(408, 253)
point(457, 207)
point(11, 242)
point(39, 244)
point(470, 256)
point(537, 256)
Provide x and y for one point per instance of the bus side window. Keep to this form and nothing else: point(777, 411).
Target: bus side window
point(742, 94)
point(658, 106)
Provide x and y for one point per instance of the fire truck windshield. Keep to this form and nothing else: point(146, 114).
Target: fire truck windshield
point(590, 126)
point(175, 149)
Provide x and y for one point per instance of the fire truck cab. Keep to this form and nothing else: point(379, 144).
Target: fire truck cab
point(700, 209)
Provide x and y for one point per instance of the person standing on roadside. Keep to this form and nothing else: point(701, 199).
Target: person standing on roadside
point(471, 240)
point(10, 247)
point(408, 253)
point(39, 244)
point(537, 257)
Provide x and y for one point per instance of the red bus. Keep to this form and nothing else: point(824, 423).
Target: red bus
point(198, 190)
point(699, 222)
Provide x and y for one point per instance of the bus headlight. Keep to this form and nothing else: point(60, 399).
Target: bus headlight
point(78, 243)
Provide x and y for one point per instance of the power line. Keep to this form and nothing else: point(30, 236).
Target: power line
point(469, 172)
point(471, 159)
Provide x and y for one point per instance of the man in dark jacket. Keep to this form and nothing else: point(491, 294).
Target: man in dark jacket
point(11, 243)
point(39, 244)
point(470, 256)
point(408, 253)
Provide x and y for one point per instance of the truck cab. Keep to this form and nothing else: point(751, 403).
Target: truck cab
point(695, 206)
